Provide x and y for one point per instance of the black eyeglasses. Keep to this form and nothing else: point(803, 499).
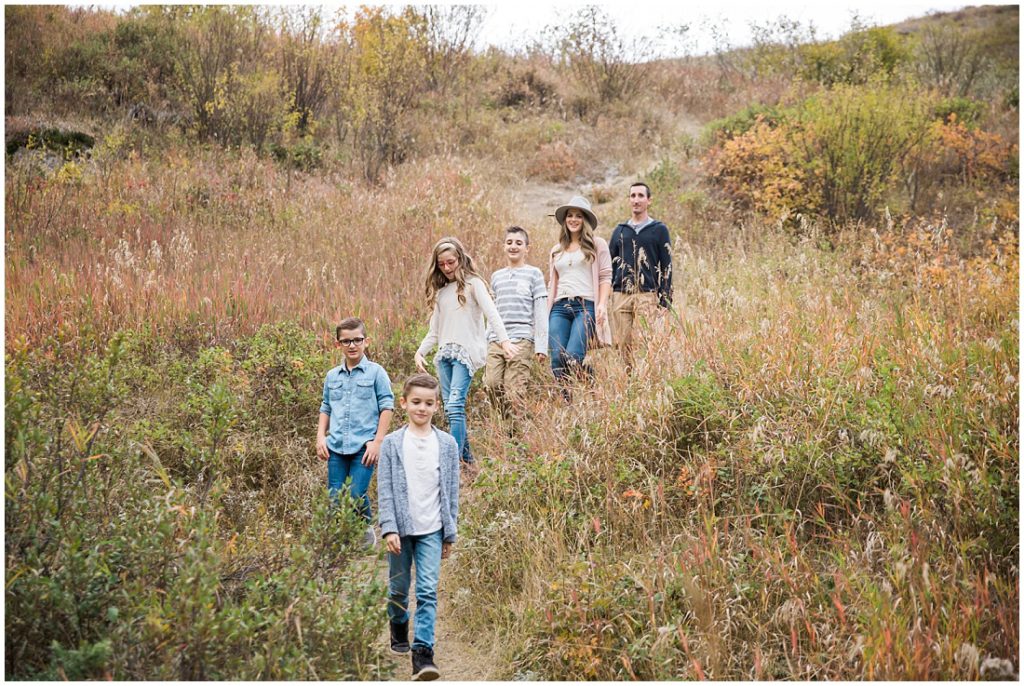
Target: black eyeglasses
point(349, 342)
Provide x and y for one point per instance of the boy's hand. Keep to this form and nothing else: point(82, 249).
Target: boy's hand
point(421, 363)
point(446, 550)
point(372, 453)
point(395, 544)
point(510, 349)
point(321, 447)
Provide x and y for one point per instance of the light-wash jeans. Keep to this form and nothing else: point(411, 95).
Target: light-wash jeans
point(350, 467)
point(425, 553)
point(455, 378)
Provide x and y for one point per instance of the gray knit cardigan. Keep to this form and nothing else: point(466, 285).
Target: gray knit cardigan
point(393, 495)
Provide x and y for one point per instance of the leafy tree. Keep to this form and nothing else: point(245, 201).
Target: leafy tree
point(306, 61)
point(144, 47)
point(448, 34)
point(386, 76)
point(857, 140)
point(217, 44)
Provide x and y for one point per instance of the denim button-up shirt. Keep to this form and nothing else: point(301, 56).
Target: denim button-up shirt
point(354, 400)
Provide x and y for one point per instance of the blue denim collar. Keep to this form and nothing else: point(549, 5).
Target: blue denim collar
point(362, 364)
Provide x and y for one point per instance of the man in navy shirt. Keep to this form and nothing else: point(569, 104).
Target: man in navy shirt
point(641, 252)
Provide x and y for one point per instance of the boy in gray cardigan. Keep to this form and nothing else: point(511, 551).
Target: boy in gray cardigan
point(418, 505)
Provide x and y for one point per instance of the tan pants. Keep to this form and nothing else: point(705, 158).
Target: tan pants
point(506, 380)
point(630, 310)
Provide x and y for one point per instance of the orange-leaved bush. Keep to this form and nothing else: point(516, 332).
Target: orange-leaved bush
point(970, 154)
point(757, 169)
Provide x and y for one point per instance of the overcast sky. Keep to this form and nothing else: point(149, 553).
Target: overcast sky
point(512, 23)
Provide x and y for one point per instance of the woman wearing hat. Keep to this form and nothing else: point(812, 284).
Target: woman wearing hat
point(580, 282)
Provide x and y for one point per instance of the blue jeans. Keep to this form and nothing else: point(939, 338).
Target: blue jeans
point(425, 550)
point(455, 377)
point(350, 467)
point(570, 326)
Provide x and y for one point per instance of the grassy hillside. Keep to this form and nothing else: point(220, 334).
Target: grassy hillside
point(812, 474)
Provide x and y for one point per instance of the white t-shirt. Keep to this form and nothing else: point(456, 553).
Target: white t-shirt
point(575, 276)
point(421, 459)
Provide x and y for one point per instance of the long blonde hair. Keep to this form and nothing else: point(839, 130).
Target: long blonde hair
point(587, 244)
point(436, 280)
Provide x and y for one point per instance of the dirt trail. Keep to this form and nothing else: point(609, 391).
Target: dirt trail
point(534, 202)
point(458, 658)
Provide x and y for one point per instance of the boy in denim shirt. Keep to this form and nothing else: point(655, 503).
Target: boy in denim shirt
point(357, 407)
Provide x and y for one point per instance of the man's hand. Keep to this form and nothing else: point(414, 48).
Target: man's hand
point(372, 453)
point(321, 448)
point(395, 544)
point(446, 550)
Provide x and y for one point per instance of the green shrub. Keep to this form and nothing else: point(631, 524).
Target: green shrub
point(304, 155)
point(85, 662)
point(859, 57)
point(699, 408)
point(665, 179)
point(69, 143)
point(964, 110)
point(857, 141)
point(740, 123)
point(130, 550)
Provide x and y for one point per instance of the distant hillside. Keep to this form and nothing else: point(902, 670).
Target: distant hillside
point(999, 23)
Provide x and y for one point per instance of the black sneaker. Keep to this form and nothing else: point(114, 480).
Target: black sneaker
point(399, 638)
point(423, 667)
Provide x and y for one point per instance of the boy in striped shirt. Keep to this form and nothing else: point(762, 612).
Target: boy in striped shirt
point(521, 298)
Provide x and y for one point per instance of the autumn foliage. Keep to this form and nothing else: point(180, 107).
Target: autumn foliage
point(850, 152)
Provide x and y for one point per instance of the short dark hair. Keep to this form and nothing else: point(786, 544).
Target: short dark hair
point(350, 324)
point(518, 229)
point(641, 183)
point(421, 380)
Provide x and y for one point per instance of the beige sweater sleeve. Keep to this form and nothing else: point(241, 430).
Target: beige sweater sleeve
point(430, 340)
point(490, 310)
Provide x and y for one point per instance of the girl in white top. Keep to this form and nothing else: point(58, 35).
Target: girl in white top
point(461, 301)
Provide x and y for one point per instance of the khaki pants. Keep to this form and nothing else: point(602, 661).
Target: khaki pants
point(626, 310)
point(506, 380)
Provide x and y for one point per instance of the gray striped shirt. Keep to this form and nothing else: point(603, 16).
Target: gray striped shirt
point(521, 298)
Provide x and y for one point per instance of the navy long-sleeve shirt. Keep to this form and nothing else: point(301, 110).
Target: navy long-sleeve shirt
point(642, 262)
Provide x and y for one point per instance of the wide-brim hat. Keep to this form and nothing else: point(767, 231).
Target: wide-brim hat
point(580, 203)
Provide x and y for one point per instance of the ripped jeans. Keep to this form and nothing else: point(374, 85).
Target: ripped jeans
point(455, 378)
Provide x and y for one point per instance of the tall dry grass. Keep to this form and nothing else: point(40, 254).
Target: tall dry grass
point(222, 244)
point(811, 474)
